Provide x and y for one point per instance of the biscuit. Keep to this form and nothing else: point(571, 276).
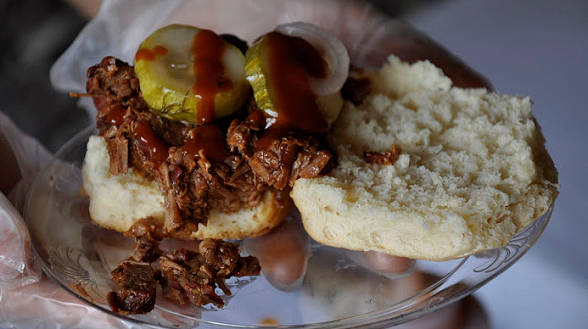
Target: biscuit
point(473, 170)
point(117, 202)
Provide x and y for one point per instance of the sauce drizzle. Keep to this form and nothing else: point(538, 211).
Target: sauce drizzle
point(291, 61)
point(155, 149)
point(150, 54)
point(209, 139)
point(116, 115)
point(207, 49)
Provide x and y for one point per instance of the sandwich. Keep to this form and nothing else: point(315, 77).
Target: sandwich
point(207, 139)
point(203, 139)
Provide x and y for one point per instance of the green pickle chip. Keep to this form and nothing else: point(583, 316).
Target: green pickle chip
point(168, 76)
point(257, 73)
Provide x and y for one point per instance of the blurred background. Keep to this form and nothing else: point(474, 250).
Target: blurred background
point(535, 48)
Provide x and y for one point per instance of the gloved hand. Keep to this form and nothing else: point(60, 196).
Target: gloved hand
point(27, 299)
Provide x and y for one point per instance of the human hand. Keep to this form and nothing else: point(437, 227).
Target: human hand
point(369, 35)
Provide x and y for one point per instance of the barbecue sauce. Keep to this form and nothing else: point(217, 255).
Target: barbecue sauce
point(151, 145)
point(115, 116)
point(210, 140)
point(207, 49)
point(292, 61)
point(150, 54)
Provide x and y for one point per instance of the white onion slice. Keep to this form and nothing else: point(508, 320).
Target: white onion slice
point(332, 50)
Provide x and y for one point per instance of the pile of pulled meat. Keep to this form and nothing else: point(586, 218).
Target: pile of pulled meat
point(227, 165)
point(185, 275)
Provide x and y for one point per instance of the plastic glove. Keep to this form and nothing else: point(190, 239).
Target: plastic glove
point(117, 30)
point(22, 156)
point(369, 35)
point(27, 299)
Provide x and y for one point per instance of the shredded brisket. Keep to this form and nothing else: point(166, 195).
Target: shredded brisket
point(194, 275)
point(277, 157)
point(197, 167)
point(136, 287)
point(147, 233)
point(185, 275)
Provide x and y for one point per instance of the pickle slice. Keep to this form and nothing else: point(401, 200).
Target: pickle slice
point(257, 72)
point(183, 80)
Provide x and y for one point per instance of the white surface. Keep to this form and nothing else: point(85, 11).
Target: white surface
point(540, 49)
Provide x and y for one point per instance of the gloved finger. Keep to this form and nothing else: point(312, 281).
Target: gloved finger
point(392, 267)
point(283, 253)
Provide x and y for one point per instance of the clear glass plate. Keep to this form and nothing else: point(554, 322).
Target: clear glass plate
point(335, 292)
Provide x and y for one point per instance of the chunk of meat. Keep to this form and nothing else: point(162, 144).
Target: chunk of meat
point(181, 284)
point(194, 275)
point(191, 275)
point(242, 135)
point(118, 151)
point(309, 163)
point(173, 217)
point(114, 87)
point(383, 158)
point(172, 132)
point(278, 157)
point(136, 288)
point(147, 233)
point(222, 258)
